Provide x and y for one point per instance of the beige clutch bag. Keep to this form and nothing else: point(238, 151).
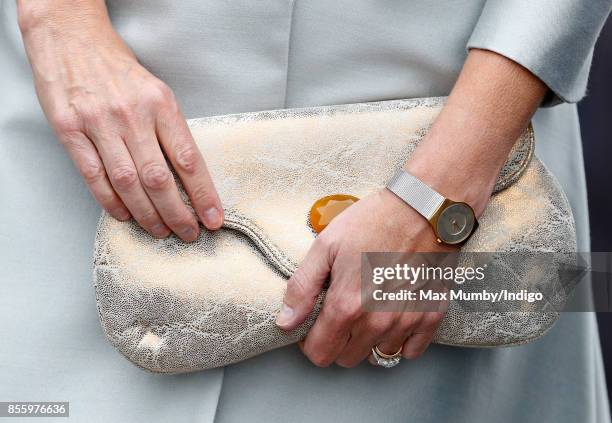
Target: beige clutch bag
point(170, 306)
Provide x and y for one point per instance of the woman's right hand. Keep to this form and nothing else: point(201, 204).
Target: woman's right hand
point(115, 119)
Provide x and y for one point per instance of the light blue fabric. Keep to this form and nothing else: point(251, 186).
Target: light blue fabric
point(225, 57)
point(553, 39)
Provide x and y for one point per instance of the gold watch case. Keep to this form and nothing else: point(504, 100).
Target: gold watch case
point(453, 223)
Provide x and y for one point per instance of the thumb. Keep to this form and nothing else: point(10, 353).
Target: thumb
point(304, 286)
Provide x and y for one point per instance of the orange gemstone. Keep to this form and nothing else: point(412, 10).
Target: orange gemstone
point(326, 208)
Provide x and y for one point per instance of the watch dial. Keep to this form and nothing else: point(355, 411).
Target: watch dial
point(455, 223)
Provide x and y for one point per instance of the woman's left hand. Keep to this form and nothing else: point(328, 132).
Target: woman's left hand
point(461, 157)
point(343, 332)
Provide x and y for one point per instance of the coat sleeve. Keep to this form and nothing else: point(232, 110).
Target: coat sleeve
point(553, 39)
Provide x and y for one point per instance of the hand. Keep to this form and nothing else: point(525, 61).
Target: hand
point(116, 120)
point(460, 157)
point(343, 332)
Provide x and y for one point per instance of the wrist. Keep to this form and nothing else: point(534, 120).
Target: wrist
point(453, 222)
point(62, 15)
point(456, 180)
point(60, 35)
point(401, 217)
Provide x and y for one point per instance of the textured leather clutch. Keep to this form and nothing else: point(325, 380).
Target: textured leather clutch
point(170, 306)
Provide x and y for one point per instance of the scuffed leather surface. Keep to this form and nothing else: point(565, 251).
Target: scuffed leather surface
point(175, 307)
point(532, 215)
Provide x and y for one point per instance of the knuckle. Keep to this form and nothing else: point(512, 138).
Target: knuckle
point(121, 109)
point(155, 176)
point(123, 177)
point(65, 122)
point(320, 360)
point(148, 218)
point(187, 157)
point(348, 310)
point(379, 325)
point(30, 15)
point(92, 171)
point(202, 195)
point(412, 321)
point(177, 220)
point(159, 94)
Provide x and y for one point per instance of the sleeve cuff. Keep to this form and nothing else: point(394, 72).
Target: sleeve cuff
point(553, 39)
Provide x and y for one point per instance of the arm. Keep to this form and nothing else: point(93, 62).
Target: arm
point(490, 105)
point(115, 119)
point(554, 39)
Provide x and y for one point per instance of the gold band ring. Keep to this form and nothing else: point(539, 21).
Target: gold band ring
point(388, 356)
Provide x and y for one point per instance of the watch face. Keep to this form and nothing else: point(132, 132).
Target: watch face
point(455, 223)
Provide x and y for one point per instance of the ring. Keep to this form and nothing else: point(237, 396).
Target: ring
point(386, 360)
point(383, 355)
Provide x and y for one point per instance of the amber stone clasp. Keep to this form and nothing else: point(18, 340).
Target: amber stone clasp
point(326, 208)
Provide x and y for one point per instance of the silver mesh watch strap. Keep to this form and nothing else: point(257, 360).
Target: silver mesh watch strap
point(415, 193)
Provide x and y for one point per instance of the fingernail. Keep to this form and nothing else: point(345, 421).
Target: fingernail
point(212, 217)
point(121, 213)
point(284, 316)
point(188, 233)
point(160, 230)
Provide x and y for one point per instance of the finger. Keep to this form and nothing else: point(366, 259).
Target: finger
point(85, 156)
point(328, 337)
point(394, 340)
point(124, 179)
point(159, 184)
point(367, 333)
point(304, 286)
point(422, 336)
point(185, 156)
point(416, 345)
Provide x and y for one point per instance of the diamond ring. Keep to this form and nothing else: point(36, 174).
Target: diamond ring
point(386, 360)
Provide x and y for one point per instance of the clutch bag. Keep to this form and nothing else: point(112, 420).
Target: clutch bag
point(172, 307)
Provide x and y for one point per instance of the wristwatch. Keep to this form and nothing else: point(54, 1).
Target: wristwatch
point(452, 222)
